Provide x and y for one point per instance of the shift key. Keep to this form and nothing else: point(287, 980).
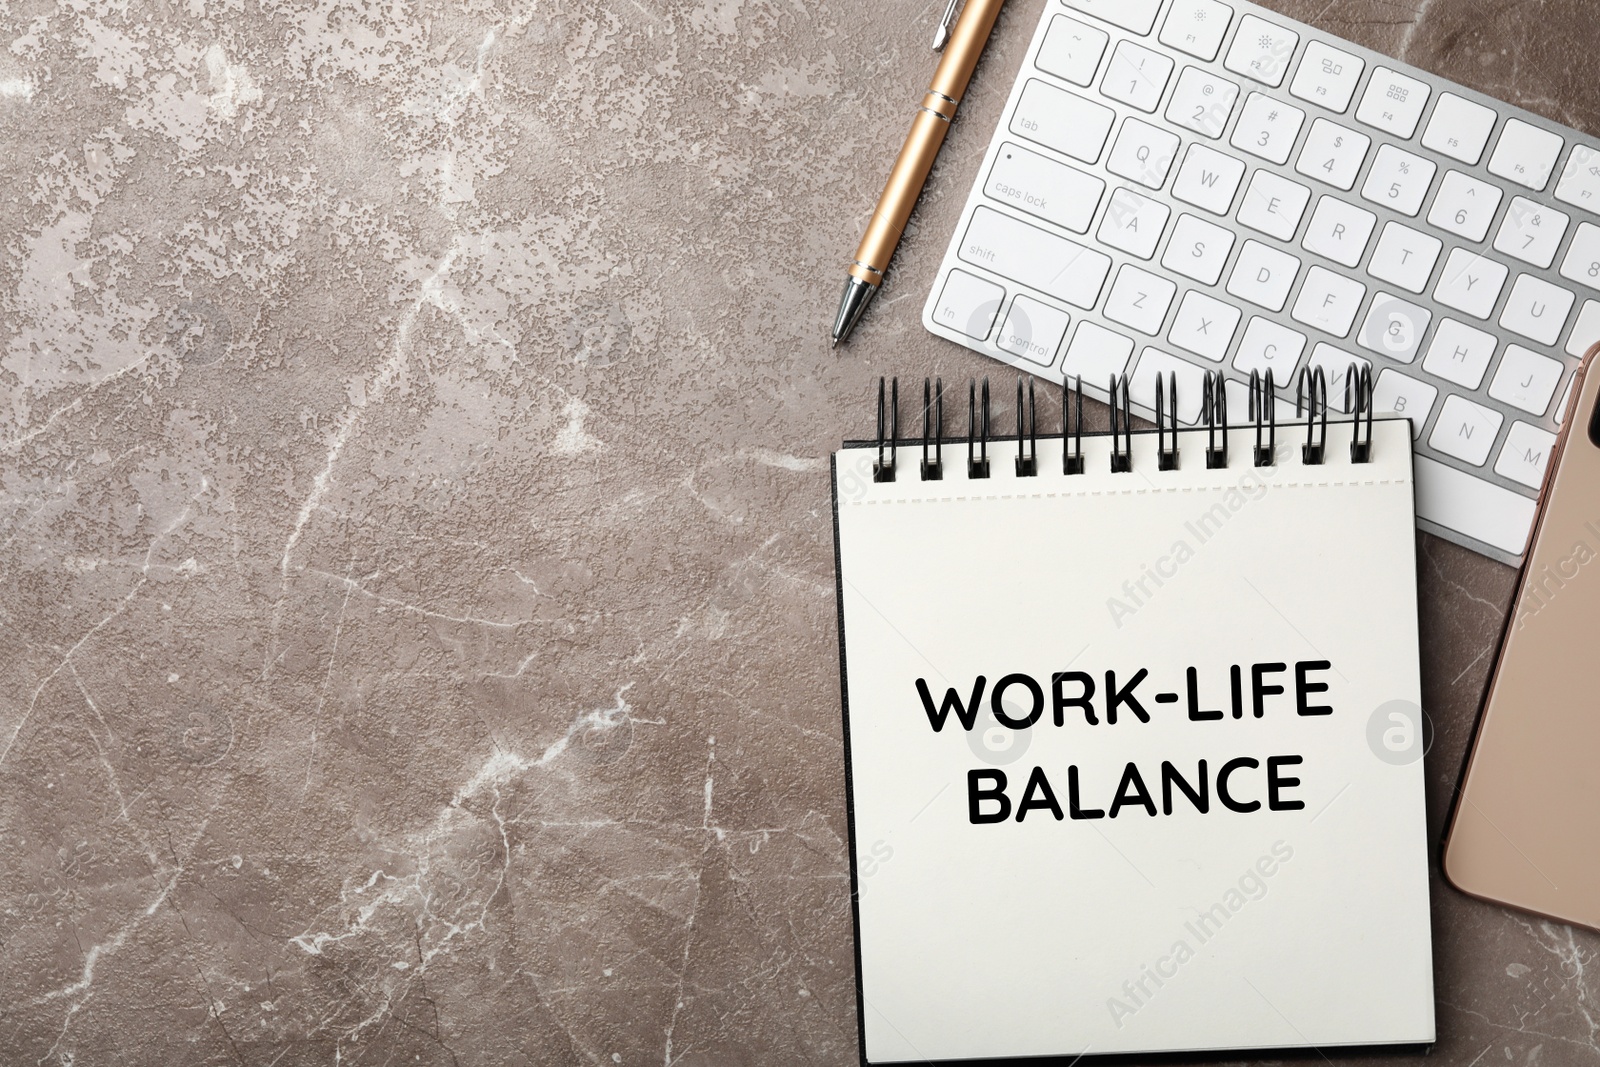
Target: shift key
point(1040, 260)
point(1053, 191)
point(1061, 120)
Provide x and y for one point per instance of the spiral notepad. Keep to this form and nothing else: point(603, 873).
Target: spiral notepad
point(1133, 737)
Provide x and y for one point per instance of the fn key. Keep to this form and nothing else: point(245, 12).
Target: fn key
point(968, 304)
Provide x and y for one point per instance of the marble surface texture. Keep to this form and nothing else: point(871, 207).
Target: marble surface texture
point(417, 624)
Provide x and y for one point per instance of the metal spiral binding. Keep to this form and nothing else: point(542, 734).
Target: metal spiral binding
point(1358, 400)
point(1214, 406)
point(1027, 462)
point(1310, 399)
point(1264, 412)
point(881, 471)
point(1311, 403)
point(1167, 422)
point(933, 469)
point(1121, 426)
point(1071, 428)
point(977, 465)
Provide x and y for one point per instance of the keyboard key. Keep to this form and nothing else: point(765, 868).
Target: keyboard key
point(968, 304)
point(1525, 455)
point(1526, 154)
point(1394, 328)
point(1536, 309)
point(1466, 503)
point(1140, 300)
point(1401, 394)
point(1329, 301)
point(1273, 205)
point(1459, 129)
point(1136, 76)
point(1307, 236)
point(1061, 120)
point(1136, 15)
point(1398, 180)
point(1405, 257)
point(1582, 264)
point(1327, 76)
point(1471, 283)
point(1465, 430)
point(1267, 128)
point(1565, 402)
point(1040, 186)
point(1053, 265)
point(1072, 50)
point(1143, 153)
point(1133, 223)
point(1269, 346)
point(1198, 250)
point(1393, 102)
point(1262, 51)
point(1033, 330)
point(1526, 380)
point(1580, 180)
point(1333, 154)
point(1096, 353)
point(1191, 381)
point(1586, 331)
point(1208, 179)
point(1465, 206)
point(1263, 275)
point(1197, 27)
point(1339, 231)
point(1459, 354)
point(1202, 102)
point(1204, 326)
point(1335, 366)
point(1531, 232)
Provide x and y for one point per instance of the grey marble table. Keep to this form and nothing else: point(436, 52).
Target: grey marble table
point(417, 627)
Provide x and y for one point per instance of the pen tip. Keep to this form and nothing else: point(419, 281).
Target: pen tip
point(835, 343)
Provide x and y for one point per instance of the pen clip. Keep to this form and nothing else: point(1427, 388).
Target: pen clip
point(941, 35)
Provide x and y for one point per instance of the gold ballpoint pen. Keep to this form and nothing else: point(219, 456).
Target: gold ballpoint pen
point(961, 45)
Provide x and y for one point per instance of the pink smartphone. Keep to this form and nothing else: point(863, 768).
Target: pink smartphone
point(1524, 830)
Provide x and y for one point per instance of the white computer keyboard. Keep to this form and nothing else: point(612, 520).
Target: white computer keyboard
point(1184, 185)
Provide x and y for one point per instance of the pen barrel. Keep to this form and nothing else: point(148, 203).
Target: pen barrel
point(900, 195)
point(922, 145)
point(961, 54)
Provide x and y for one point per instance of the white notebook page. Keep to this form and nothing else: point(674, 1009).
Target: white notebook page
point(1305, 925)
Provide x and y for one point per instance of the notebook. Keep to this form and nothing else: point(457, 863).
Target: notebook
point(1134, 755)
